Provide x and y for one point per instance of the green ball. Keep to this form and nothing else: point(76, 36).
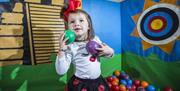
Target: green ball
point(70, 35)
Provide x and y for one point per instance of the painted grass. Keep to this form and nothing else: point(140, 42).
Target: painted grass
point(43, 77)
point(152, 70)
point(30, 78)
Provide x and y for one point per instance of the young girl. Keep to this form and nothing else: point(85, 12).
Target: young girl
point(87, 76)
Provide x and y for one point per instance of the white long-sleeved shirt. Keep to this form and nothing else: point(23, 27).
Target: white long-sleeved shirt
point(77, 54)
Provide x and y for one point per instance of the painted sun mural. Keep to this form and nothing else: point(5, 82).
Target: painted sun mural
point(158, 25)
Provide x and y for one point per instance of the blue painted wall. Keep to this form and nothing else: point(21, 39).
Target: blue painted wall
point(106, 21)
point(4, 0)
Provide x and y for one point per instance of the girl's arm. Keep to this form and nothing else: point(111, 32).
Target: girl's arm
point(63, 61)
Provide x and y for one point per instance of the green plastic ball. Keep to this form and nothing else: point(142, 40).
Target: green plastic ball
point(70, 35)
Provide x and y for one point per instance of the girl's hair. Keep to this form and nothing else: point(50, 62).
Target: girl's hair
point(91, 30)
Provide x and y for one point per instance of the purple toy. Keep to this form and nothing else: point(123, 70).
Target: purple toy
point(91, 47)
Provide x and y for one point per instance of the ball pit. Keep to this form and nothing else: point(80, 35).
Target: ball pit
point(120, 81)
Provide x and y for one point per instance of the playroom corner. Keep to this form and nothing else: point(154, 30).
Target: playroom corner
point(133, 45)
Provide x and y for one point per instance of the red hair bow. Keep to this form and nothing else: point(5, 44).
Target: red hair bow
point(72, 6)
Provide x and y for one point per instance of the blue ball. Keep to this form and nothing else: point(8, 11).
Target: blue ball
point(129, 82)
point(123, 82)
point(150, 88)
point(113, 76)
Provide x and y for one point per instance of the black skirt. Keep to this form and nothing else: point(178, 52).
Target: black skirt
point(78, 84)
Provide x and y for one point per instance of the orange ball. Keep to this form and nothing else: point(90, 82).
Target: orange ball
point(117, 73)
point(122, 87)
point(116, 79)
point(144, 84)
point(115, 82)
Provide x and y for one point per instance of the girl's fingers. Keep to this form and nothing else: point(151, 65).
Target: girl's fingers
point(100, 54)
point(99, 49)
point(62, 37)
point(65, 40)
point(101, 45)
point(61, 42)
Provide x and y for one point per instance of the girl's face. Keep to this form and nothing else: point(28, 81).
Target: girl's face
point(78, 22)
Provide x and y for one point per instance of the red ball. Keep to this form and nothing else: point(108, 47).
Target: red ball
point(131, 90)
point(115, 88)
point(137, 83)
point(133, 87)
point(84, 89)
point(167, 88)
point(110, 85)
point(109, 79)
point(101, 88)
point(140, 88)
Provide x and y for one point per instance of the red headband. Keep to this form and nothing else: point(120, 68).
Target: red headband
point(72, 6)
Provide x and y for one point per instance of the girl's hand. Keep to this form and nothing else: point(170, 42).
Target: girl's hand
point(105, 50)
point(62, 44)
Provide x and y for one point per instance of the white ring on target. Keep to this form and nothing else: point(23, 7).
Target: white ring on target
point(165, 41)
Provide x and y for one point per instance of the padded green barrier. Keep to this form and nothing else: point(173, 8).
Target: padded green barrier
point(43, 77)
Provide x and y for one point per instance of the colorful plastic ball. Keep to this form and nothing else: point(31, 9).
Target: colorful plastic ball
point(133, 87)
point(144, 84)
point(131, 90)
point(116, 79)
point(141, 89)
point(109, 84)
point(128, 87)
point(70, 35)
point(113, 76)
point(150, 88)
point(129, 82)
point(122, 87)
point(109, 79)
point(114, 83)
point(117, 73)
point(122, 75)
point(126, 77)
point(91, 47)
point(167, 88)
point(137, 83)
point(115, 88)
point(123, 82)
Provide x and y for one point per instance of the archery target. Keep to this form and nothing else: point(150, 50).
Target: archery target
point(159, 24)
